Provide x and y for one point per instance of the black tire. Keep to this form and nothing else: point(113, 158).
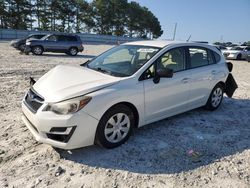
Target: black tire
point(211, 104)
point(21, 47)
point(239, 57)
point(73, 51)
point(101, 138)
point(37, 50)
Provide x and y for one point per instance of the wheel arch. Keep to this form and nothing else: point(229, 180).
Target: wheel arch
point(132, 107)
point(221, 83)
point(72, 47)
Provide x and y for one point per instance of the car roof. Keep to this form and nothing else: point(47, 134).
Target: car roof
point(164, 43)
point(153, 43)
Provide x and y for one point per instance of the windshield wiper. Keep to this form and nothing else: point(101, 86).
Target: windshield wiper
point(99, 69)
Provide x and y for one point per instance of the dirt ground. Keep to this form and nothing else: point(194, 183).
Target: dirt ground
point(195, 149)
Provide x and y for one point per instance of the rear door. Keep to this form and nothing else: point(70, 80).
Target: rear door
point(204, 74)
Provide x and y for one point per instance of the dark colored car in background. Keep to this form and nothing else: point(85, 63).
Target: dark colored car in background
point(20, 43)
point(248, 58)
point(59, 43)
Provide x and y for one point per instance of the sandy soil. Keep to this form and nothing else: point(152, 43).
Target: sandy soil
point(157, 155)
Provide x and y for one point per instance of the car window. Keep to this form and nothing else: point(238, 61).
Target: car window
point(52, 38)
point(123, 60)
point(71, 38)
point(237, 48)
point(115, 57)
point(62, 38)
point(217, 57)
point(173, 59)
point(199, 57)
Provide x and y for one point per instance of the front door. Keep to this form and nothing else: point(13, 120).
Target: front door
point(170, 95)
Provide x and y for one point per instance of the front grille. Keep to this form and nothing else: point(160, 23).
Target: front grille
point(33, 101)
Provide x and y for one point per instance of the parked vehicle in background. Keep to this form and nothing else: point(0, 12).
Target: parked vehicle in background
point(220, 48)
point(126, 87)
point(231, 46)
point(59, 43)
point(237, 52)
point(248, 58)
point(20, 43)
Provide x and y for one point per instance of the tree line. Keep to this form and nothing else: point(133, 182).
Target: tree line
point(226, 44)
point(111, 17)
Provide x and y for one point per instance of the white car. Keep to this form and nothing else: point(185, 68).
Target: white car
point(237, 52)
point(128, 86)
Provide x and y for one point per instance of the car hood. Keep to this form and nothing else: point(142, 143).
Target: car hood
point(17, 41)
point(65, 82)
point(33, 40)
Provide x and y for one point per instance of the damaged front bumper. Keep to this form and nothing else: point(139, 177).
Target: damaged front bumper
point(231, 84)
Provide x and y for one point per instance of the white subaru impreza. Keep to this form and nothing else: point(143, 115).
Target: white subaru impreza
point(126, 87)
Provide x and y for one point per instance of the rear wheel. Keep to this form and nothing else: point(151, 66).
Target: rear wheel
point(37, 50)
point(215, 98)
point(73, 51)
point(238, 57)
point(115, 126)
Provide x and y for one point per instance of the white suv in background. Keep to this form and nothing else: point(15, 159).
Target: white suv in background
point(128, 86)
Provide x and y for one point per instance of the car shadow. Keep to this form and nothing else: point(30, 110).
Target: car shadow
point(180, 143)
point(68, 56)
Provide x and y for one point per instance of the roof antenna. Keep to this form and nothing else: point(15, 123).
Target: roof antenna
point(188, 38)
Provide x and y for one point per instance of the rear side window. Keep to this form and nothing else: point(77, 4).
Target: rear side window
point(200, 57)
point(71, 38)
point(62, 38)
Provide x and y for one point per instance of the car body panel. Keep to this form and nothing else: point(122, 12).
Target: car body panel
point(186, 90)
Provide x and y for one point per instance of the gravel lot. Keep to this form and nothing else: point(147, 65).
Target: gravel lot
point(157, 155)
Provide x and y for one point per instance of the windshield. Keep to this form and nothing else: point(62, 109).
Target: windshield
point(123, 60)
point(237, 48)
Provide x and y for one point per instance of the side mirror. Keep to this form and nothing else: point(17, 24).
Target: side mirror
point(163, 73)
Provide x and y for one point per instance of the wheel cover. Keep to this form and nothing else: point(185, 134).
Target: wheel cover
point(38, 50)
point(117, 127)
point(73, 51)
point(216, 97)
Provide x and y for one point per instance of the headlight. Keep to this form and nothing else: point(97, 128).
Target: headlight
point(28, 43)
point(68, 107)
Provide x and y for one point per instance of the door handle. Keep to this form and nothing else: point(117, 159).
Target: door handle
point(185, 80)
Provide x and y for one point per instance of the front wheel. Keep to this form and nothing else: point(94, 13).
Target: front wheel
point(115, 126)
point(21, 47)
point(215, 98)
point(238, 57)
point(37, 50)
